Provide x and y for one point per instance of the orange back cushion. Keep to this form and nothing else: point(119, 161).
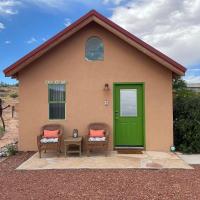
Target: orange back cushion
point(51, 134)
point(97, 133)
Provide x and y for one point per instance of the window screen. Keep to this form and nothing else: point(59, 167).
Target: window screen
point(56, 101)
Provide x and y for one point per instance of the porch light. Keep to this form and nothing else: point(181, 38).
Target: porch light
point(106, 87)
point(173, 148)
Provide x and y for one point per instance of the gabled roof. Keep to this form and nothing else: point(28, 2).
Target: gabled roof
point(107, 24)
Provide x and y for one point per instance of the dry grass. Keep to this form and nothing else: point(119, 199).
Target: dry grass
point(9, 95)
point(6, 93)
point(1, 132)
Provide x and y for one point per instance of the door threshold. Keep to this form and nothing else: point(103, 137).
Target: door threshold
point(127, 147)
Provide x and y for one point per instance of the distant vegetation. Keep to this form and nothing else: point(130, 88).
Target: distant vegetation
point(3, 84)
point(186, 118)
point(8, 91)
point(14, 95)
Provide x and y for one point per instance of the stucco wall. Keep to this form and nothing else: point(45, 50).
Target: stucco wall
point(85, 82)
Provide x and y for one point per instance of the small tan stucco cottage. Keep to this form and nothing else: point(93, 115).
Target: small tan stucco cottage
point(95, 71)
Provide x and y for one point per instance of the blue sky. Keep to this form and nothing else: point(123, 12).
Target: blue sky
point(25, 24)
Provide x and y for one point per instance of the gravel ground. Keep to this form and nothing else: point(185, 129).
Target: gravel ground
point(96, 184)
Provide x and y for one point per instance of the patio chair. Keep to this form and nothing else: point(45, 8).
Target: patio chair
point(44, 143)
point(95, 143)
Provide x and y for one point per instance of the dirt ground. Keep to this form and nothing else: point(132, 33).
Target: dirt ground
point(88, 184)
point(96, 184)
point(11, 133)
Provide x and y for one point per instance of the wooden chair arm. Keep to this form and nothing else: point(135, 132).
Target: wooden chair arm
point(41, 131)
point(39, 137)
point(86, 137)
point(60, 136)
point(107, 134)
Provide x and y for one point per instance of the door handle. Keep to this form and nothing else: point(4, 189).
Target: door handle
point(116, 114)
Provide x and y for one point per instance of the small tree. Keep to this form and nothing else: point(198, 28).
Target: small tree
point(14, 95)
point(186, 118)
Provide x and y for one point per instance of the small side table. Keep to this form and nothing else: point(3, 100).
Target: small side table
point(73, 141)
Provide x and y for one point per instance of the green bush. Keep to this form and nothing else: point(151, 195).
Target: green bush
point(186, 119)
point(3, 84)
point(10, 149)
point(14, 95)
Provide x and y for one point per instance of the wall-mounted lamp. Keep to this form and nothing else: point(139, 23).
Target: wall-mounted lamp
point(106, 87)
point(106, 102)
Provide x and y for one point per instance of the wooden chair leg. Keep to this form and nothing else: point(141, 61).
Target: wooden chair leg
point(65, 148)
point(58, 150)
point(39, 153)
point(39, 150)
point(106, 150)
point(88, 152)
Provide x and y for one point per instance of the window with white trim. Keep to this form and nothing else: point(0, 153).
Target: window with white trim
point(57, 102)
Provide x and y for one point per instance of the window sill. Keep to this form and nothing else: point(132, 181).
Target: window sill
point(56, 119)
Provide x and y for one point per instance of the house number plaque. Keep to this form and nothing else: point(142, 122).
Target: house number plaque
point(55, 82)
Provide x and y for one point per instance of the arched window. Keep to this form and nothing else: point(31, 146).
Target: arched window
point(94, 49)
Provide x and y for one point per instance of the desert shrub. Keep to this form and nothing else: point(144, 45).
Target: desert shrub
point(2, 84)
point(186, 118)
point(1, 131)
point(11, 149)
point(3, 95)
point(16, 84)
point(14, 95)
point(3, 90)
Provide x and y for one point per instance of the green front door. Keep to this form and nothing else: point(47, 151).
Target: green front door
point(129, 115)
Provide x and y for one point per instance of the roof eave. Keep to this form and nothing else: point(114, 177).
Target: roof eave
point(114, 28)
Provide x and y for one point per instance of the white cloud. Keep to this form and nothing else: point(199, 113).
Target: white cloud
point(8, 7)
point(192, 79)
point(38, 40)
point(195, 70)
point(44, 39)
point(2, 26)
point(32, 40)
point(116, 2)
point(55, 4)
point(67, 22)
point(171, 26)
point(7, 42)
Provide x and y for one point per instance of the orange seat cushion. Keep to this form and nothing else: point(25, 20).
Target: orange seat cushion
point(51, 134)
point(97, 133)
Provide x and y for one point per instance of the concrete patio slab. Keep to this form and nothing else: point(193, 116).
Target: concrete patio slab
point(147, 160)
point(193, 159)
